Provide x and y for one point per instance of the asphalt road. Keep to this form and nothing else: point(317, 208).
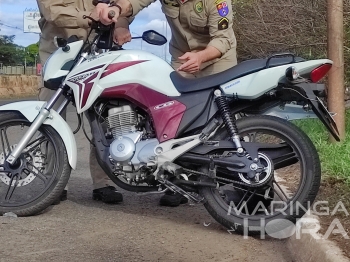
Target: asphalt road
point(81, 229)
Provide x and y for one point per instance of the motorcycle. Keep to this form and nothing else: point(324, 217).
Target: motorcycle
point(155, 131)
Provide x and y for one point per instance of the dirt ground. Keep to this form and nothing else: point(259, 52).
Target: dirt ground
point(333, 191)
point(137, 230)
point(81, 229)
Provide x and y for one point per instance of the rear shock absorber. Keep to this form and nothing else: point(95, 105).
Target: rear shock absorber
point(229, 122)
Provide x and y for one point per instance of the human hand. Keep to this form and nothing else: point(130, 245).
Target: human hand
point(192, 62)
point(95, 14)
point(121, 35)
point(104, 15)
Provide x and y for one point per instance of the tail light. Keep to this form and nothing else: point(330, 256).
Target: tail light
point(318, 73)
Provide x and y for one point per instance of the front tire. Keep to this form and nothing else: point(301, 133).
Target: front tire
point(41, 172)
point(297, 185)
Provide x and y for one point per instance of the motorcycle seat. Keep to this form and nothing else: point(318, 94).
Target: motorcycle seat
point(188, 85)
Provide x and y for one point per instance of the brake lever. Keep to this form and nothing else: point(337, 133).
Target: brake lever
point(90, 18)
point(94, 23)
point(97, 24)
point(111, 15)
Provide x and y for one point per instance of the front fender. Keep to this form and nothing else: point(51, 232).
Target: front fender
point(30, 109)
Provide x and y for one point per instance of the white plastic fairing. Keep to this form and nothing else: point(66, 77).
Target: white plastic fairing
point(154, 73)
point(30, 110)
point(117, 68)
point(58, 59)
point(254, 85)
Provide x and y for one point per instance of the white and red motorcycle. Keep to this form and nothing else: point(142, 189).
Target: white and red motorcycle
point(155, 131)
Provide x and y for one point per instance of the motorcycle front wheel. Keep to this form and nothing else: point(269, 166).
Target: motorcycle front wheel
point(294, 181)
point(41, 172)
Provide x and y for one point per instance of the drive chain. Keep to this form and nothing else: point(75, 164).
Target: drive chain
point(221, 178)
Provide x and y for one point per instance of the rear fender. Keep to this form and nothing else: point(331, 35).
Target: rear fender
point(30, 110)
point(306, 90)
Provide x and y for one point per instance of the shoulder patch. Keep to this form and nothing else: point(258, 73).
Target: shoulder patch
point(223, 24)
point(199, 7)
point(222, 8)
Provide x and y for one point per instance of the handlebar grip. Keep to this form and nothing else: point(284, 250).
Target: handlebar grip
point(111, 14)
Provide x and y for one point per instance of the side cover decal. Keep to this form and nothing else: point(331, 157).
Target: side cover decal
point(85, 81)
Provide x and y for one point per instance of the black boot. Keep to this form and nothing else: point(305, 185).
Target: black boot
point(62, 197)
point(108, 195)
point(172, 199)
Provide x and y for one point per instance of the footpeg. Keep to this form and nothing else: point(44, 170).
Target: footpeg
point(176, 189)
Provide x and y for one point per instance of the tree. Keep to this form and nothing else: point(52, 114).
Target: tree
point(7, 39)
point(12, 54)
point(9, 52)
point(32, 52)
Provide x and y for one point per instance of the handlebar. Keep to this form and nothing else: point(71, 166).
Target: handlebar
point(111, 14)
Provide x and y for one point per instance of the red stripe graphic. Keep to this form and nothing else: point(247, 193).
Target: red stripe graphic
point(119, 66)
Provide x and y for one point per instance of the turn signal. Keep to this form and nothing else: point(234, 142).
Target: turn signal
point(318, 73)
point(292, 73)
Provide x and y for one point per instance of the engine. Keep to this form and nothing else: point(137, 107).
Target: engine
point(130, 150)
point(121, 120)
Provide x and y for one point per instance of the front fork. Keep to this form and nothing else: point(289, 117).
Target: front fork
point(39, 120)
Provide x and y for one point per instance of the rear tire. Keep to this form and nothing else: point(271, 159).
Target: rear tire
point(42, 171)
point(305, 193)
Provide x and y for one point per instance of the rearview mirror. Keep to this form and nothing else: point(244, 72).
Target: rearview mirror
point(60, 42)
point(154, 38)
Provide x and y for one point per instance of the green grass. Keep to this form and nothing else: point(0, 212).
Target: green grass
point(335, 157)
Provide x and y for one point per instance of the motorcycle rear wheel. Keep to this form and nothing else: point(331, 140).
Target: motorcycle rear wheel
point(295, 185)
point(41, 172)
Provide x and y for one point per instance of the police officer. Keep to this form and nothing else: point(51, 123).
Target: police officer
point(203, 41)
point(64, 18)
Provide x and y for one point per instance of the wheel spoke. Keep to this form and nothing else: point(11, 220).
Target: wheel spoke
point(38, 173)
point(242, 199)
point(26, 171)
point(250, 197)
point(11, 188)
point(279, 191)
point(34, 144)
point(4, 142)
point(240, 188)
point(285, 160)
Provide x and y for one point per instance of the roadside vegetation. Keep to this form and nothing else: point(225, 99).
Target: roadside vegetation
point(14, 55)
point(335, 185)
point(335, 157)
point(267, 27)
